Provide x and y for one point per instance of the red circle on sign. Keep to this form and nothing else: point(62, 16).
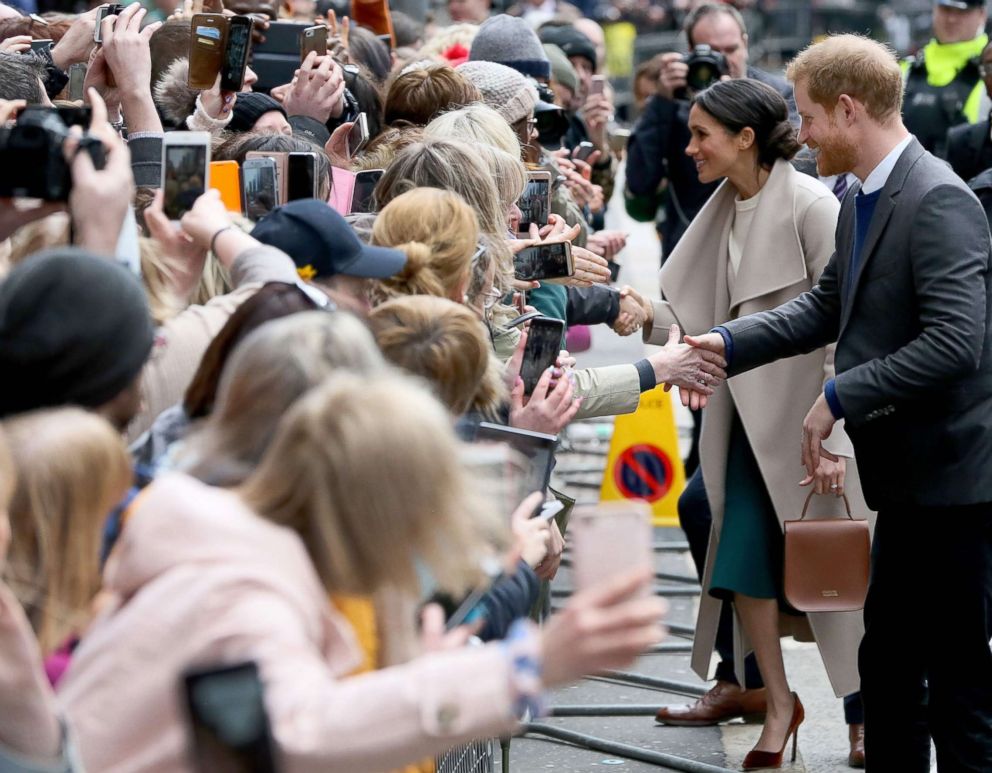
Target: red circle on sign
point(643, 472)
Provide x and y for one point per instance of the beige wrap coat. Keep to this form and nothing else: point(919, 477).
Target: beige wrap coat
point(788, 245)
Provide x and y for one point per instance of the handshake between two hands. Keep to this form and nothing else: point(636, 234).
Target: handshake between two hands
point(696, 365)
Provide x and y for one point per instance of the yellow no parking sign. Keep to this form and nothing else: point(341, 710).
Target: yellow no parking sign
point(644, 461)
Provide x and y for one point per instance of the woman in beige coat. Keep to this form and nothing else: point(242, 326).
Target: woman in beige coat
point(762, 239)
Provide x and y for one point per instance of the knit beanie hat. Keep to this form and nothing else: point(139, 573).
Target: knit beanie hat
point(74, 330)
point(561, 69)
point(571, 41)
point(510, 40)
point(249, 107)
point(504, 90)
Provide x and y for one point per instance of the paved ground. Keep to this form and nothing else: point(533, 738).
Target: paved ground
point(823, 737)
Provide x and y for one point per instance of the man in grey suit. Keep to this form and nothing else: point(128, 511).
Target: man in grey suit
point(906, 297)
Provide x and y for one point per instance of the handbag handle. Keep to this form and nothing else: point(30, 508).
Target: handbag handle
point(847, 505)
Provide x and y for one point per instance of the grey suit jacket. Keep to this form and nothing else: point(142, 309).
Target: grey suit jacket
point(914, 345)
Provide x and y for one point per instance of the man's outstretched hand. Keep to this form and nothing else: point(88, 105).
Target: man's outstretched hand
point(711, 342)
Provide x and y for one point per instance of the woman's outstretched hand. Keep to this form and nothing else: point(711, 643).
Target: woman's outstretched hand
point(695, 369)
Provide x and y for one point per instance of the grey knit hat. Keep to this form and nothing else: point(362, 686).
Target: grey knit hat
point(504, 90)
point(510, 40)
point(561, 69)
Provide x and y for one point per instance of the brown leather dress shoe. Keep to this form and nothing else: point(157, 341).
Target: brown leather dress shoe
point(723, 702)
point(856, 759)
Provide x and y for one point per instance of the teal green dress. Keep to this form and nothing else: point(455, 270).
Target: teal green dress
point(749, 556)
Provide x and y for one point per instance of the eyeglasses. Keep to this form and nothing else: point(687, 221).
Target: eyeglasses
point(491, 298)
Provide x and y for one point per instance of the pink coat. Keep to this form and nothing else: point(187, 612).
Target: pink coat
point(29, 725)
point(202, 580)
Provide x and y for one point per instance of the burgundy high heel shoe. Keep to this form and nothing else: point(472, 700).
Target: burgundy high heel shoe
point(757, 759)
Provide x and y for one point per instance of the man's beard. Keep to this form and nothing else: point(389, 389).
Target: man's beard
point(837, 156)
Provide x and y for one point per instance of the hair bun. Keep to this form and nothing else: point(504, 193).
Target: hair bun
point(783, 143)
point(418, 258)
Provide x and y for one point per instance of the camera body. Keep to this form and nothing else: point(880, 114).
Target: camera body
point(32, 158)
point(706, 67)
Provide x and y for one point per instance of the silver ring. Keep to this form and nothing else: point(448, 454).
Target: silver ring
point(834, 485)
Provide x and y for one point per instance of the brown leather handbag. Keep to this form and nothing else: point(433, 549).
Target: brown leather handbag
point(826, 562)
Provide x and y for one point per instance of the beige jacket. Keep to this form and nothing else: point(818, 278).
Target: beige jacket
point(789, 243)
point(200, 580)
point(182, 341)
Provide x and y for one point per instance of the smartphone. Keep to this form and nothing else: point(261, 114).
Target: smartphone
point(259, 187)
point(73, 115)
point(41, 44)
point(469, 611)
point(537, 448)
point(277, 58)
point(535, 203)
point(363, 197)
point(281, 159)
point(208, 36)
point(313, 39)
point(583, 150)
point(549, 510)
point(109, 9)
point(227, 717)
point(614, 270)
point(236, 52)
point(358, 136)
point(608, 540)
point(185, 170)
point(544, 341)
point(77, 76)
point(544, 261)
point(597, 84)
point(301, 172)
point(225, 177)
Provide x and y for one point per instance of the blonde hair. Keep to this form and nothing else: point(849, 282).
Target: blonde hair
point(476, 123)
point(855, 65)
point(438, 232)
point(444, 343)
point(367, 471)
point(265, 374)
point(72, 468)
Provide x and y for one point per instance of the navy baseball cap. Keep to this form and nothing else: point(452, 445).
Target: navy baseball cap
point(962, 5)
point(322, 244)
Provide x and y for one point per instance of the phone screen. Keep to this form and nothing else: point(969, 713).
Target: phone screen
point(232, 73)
point(358, 135)
point(231, 732)
point(301, 170)
point(77, 76)
point(185, 178)
point(535, 204)
point(259, 182)
point(543, 347)
point(537, 449)
point(363, 197)
point(542, 261)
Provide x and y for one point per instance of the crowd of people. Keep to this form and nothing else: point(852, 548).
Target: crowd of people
point(239, 432)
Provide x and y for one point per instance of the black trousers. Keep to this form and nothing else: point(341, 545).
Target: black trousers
point(925, 661)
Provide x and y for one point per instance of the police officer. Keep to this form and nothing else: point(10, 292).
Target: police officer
point(943, 85)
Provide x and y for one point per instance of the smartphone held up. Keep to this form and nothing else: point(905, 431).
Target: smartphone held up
point(185, 170)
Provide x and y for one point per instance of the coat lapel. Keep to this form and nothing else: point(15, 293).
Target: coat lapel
point(880, 219)
point(693, 269)
point(773, 253)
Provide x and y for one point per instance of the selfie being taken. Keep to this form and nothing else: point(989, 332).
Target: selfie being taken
point(471, 386)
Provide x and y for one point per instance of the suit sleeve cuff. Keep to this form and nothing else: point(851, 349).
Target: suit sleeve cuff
point(728, 343)
point(830, 393)
point(645, 374)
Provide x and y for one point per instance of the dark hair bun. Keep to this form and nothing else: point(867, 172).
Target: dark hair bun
point(743, 102)
point(782, 143)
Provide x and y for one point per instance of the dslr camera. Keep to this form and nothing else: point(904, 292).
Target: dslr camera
point(32, 158)
point(706, 67)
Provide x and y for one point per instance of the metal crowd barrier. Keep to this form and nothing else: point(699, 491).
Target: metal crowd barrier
point(476, 757)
